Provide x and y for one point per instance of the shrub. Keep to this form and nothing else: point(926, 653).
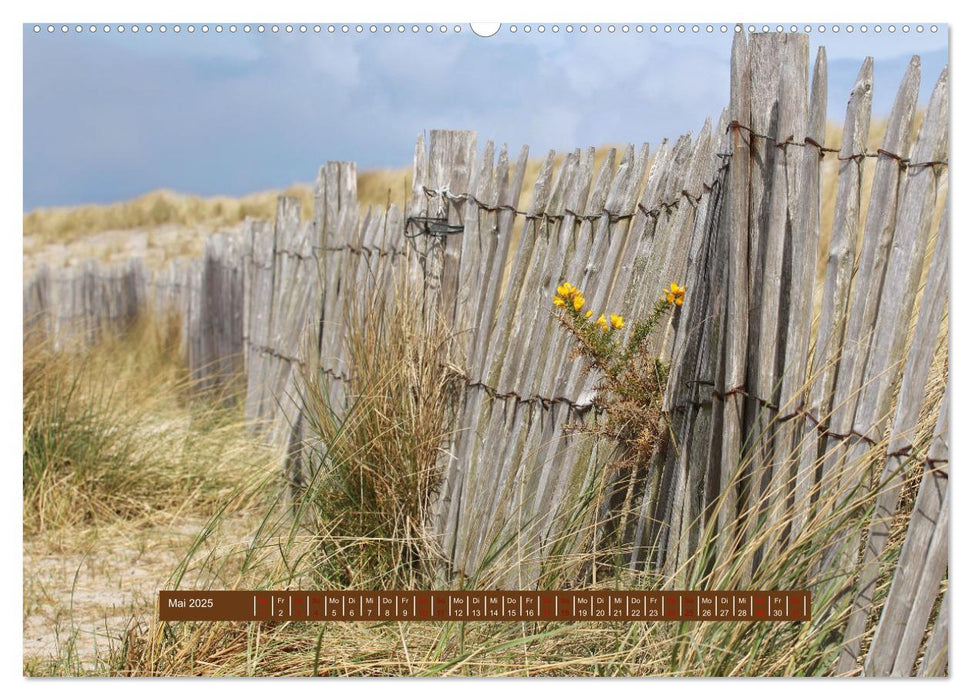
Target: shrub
point(631, 385)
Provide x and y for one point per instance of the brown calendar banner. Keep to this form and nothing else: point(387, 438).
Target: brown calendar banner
point(483, 606)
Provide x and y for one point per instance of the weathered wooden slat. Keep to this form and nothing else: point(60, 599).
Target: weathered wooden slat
point(494, 475)
point(533, 316)
point(935, 663)
point(612, 237)
point(596, 280)
point(886, 356)
point(334, 192)
point(839, 269)
point(501, 374)
point(644, 227)
point(675, 267)
point(628, 184)
point(219, 368)
point(286, 225)
point(736, 326)
point(545, 354)
point(194, 316)
point(766, 66)
point(551, 480)
point(902, 436)
point(500, 346)
point(693, 322)
point(248, 237)
point(779, 88)
point(299, 333)
point(469, 284)
point(333, 353)
point(770, 469)
point(899, 290)
point(643, 282)
point(38, 321)
point(450, 161)
point(261, 308)
point(669, 243)
point(461, 169)
point(577, 262)
point(923, 560)
point(925, 595)
point(878, 235)
point(692, 368)
point(788, 480)
point(507, 192)
point(666, 246)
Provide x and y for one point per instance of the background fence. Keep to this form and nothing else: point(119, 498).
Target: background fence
point(774, 400)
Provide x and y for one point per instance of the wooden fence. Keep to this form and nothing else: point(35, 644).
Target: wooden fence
point(781, 409)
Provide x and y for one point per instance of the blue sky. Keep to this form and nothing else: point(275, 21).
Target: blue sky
point(109, 117)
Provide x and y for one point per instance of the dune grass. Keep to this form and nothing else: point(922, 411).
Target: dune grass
point(520, 649)
point(358, 525)
point(114, 432)
point(376, 187)
point(165, 208)
point(175, 225)
point(123, 463)
point(376, 465)
point(362, 538)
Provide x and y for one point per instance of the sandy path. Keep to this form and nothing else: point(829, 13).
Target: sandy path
point(81, 590)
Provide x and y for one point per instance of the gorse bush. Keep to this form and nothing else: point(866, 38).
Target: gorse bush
point(631, 386)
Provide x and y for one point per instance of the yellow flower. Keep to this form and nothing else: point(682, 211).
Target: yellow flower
point(589, 313)
point(675, 294)
point(566, 292)
point(616, 321)
point(602, 322)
